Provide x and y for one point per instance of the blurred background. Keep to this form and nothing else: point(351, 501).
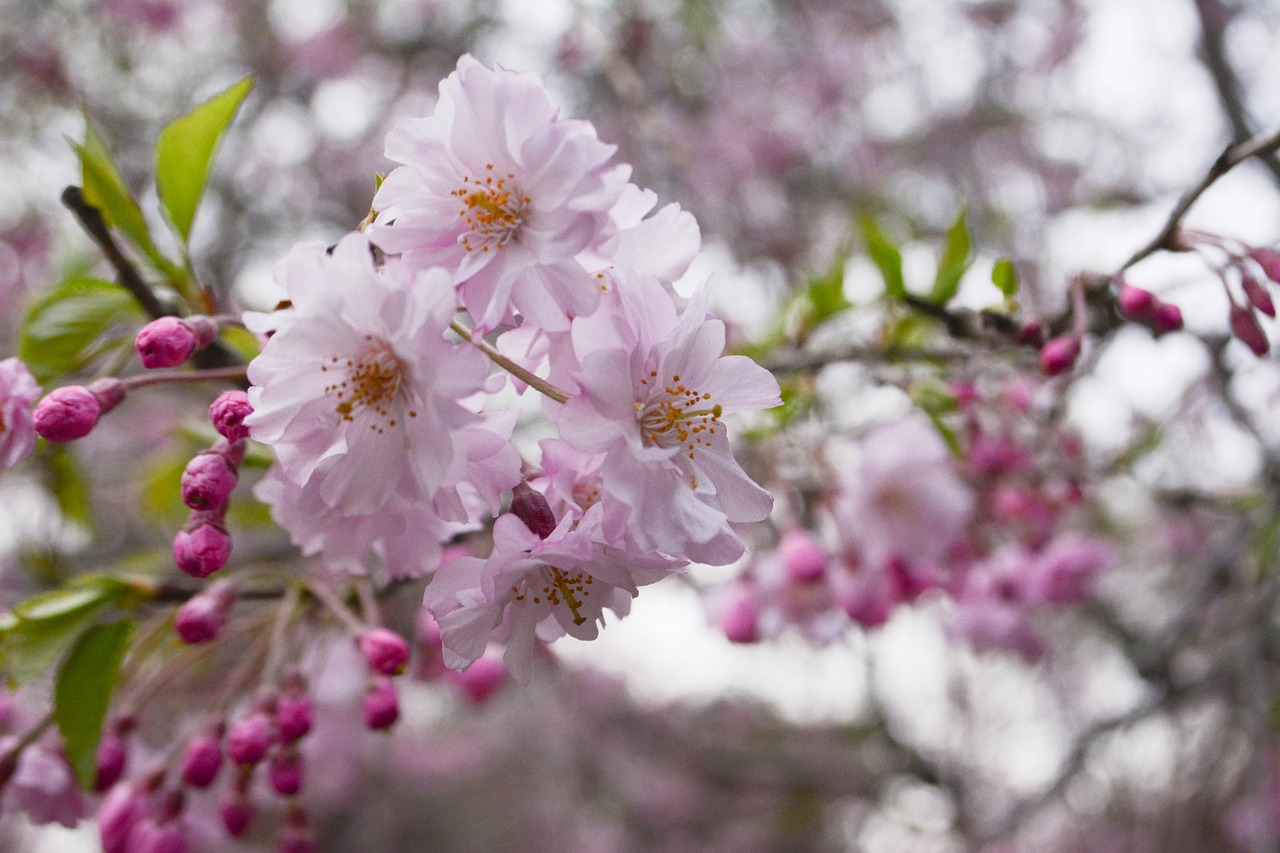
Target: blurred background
point(1065, 129)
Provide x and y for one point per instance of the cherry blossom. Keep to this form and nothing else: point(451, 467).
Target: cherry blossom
point(18, 390)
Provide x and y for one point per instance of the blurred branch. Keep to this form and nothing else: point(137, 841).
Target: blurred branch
point(1214, 17)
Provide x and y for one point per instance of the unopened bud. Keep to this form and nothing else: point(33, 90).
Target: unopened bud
point(1059, 355)
point(170, 341)
point(250, 738)
point(202, 550)
point(207, 481)
point(152, 837)
point(1136, 303)
point(386, 651)
point(739, 617)
point(293, 714)
point(381, 704)
point(199, 620)
point(1256, 292)
point(1269, 261)
point(296, 839)
point(802, 557)
point(1031, 333)
point(481, 679)
point(1166, 318)
point(120, 811)
point(67, 413)
point(228, 412)
point(285, 771)
point(1245, 326)
point(202, 760)
point(113, 756)
point(236, 812)
point(531, 507)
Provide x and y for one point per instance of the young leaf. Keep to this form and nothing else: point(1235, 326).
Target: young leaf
point(105, 190)
point(1005, 278)
point(952, 264)
point(185, 150)
point(885, 255)
point(60, 327)
point(826, 294)
point(83, 691)
point(45, 626)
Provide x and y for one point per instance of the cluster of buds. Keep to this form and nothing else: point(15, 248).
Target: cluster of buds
point(203, 545)
point(1243, 318)
point(1144, 307)
point(387, 654)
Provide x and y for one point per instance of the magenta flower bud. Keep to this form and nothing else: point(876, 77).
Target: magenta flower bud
point(199, 620)
point(1245, 326)
point(381, 705)
point(151, 837)
point(386, 651)
point(531, 507)
point(1059, 355)
point(802, 557)
point(202, 760)
point(285, 771)
point(740, 615)
point(1256, 292)
point(1031, 333)
point(1166, 318)
point(250, 738)
point(297, 839)
point(1136, 303)
point(481, 679)
point(66, 414)
point(119, 813)
point(236, 812)
point(113, 756)
point(203, 550)
point(207, 481)
point(293, 716)
point(170, 341)
point(228, 413)
point(1269, 261)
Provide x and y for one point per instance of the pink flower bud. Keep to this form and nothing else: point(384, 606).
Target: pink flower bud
point(1031, 333)
point(202, 760)
point(66, 414)
point(1245, 326)
point(740, 615)
point(296, 839)
point(228, 412)
point(203, 550)
point(1166, 318)
point(250, 738)
point(1269, 261)
point(199, 620)
point(802, 557)
point(121, 809)
point(293, 714)
point(152, 837)
point(236, 812)
point(1257, 294)
point(481, 679)
point(285, 771)
point(113, 756)
point(1059, 355)
point(170, 341)
point(386, 651)
point(531, 507)
point(381, 705)
point(207, 481)
point(1136, 303)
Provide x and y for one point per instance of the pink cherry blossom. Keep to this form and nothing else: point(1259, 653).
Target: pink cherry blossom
point(653, 389)
point(44, 787)
point(541, 587)
point(503, 193)
point(18, 390)
point(358, 376)
point(904, 498)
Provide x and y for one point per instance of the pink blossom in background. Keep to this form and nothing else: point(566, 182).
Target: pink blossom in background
point(44, 787)
point(18, 390)
point(904, 498)
point(653, 387)
point(501, 192)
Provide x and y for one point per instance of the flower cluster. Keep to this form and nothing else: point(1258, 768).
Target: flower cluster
point(371, 392)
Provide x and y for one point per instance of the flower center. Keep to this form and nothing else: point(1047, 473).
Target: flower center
point(559, 587)
point(676, 415)
point(492, 211)
point(371, 382)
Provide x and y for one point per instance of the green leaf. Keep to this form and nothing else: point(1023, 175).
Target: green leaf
point(162, 490)
point(60, 328)
point(46, 626)
point(242, 341)
point(826, 294)
point(185, 151)
point(105, 190)
point(885, 255)
point(83, 692)
point(67, 482)
point(1005, 278)
point(933, 397)
point(952, 264)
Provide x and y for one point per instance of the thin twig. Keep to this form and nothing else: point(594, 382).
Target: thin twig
point(535, 382)
point(127, 274)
